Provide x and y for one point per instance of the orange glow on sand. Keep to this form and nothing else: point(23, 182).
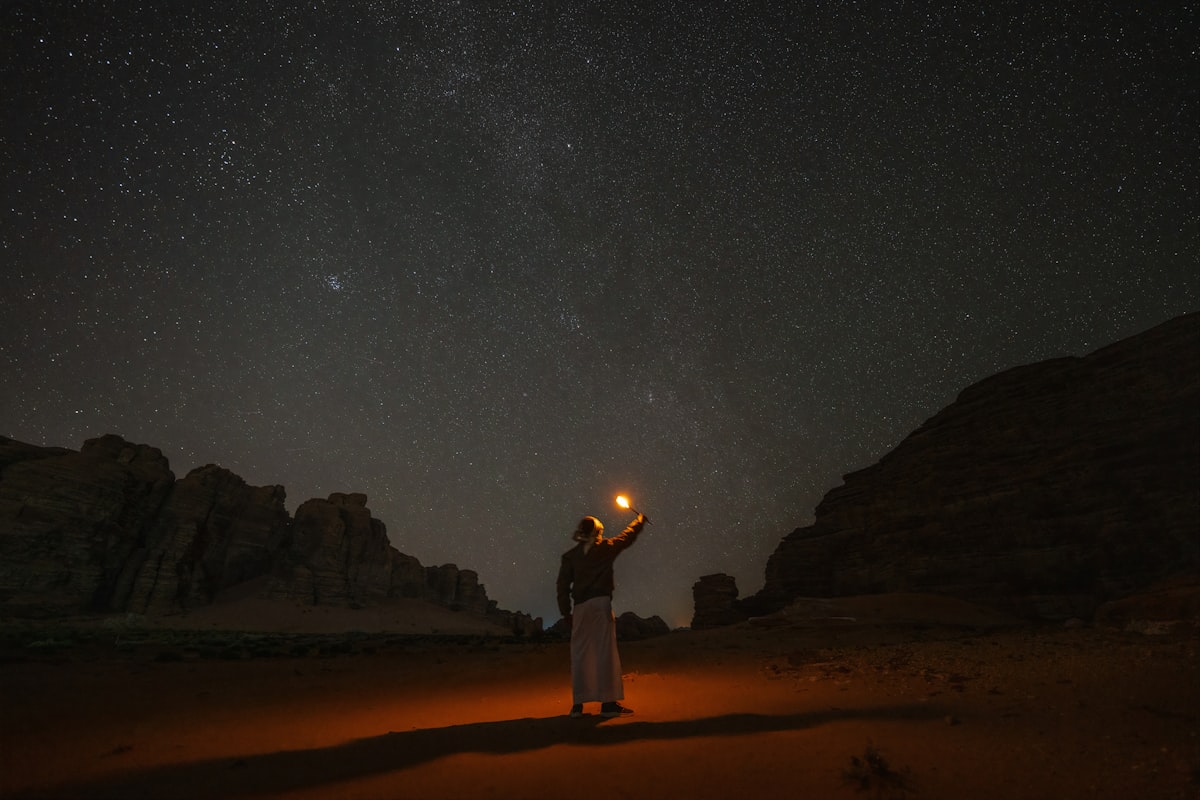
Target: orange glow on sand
point(743, 709)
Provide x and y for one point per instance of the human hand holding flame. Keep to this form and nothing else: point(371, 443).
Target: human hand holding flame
point(623, 502)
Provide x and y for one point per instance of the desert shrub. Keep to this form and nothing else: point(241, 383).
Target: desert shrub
point(872, 773)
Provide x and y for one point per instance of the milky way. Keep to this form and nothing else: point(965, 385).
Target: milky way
point(491, 265)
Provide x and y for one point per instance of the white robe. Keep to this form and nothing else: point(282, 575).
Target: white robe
point(595, 663)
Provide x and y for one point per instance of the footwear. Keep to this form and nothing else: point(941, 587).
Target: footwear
point(614, 710)
point(577, 711)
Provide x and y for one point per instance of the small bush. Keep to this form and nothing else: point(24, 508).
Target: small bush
point(873, 774)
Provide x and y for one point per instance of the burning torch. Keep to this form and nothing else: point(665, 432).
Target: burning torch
point(623, 502)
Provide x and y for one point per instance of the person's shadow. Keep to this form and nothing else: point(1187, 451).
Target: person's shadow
point(393, 752)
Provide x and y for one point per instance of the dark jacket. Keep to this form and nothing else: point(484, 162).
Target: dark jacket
point(583, 576)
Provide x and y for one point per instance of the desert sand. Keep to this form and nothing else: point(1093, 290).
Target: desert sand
point(899, 696)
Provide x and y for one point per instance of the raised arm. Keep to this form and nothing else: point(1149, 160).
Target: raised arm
point(628, 536)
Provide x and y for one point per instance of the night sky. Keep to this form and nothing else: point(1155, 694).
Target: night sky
point(492, 265)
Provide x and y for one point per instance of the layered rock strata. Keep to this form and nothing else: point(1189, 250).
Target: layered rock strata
point(109, 528)
point(1045, 491)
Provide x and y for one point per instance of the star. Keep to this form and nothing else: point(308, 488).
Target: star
point(492, 266)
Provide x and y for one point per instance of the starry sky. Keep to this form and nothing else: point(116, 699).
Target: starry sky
point(491, 263)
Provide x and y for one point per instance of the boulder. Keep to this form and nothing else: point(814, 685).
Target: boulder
point(714, 600)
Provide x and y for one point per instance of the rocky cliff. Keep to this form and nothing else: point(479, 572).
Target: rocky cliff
point(109, 528)
point(1044, 490)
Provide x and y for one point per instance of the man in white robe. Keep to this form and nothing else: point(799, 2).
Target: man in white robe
point(585, 587)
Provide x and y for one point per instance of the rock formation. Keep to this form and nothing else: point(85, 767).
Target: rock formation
point(336, 553)
point(1045, 491)
point(109, 528)
point(714, 598)
point(631, 627)
point(214, 531)
point(71, 523)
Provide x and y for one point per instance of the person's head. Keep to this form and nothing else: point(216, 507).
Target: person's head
point(590, 529)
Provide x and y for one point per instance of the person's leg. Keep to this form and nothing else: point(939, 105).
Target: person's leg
point(589, 644)
point(578, 657)
point(609, 665)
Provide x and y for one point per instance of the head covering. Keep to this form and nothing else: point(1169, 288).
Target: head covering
point(587, 529)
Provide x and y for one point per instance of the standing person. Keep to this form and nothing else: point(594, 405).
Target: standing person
point(586, 578)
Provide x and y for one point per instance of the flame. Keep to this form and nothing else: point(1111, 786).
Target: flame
point(622, 501)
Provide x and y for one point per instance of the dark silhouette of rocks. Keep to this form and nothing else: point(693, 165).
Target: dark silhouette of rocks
point(631, 627)
point(1044, 491)
point(714, 598)
point(214, 532)
point(72, 523)
point(109, 528)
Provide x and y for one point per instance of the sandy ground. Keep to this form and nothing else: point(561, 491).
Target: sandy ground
point(875, 697)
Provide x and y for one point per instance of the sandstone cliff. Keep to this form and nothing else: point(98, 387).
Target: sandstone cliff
point(1044, 490)
point(109, 528)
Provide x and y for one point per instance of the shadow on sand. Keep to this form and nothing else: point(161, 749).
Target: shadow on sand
point(292, 770)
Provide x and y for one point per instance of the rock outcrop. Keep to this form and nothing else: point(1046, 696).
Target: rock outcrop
point(109, 528)
point(72, 522)
point(631, 627)
point(214, 532)
point(714, 599)
point(336, 553)
point(1043, 491)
